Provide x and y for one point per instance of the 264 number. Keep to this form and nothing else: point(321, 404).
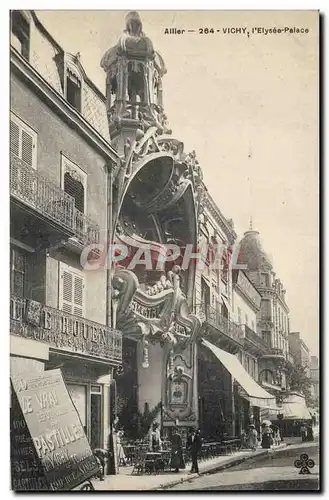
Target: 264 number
point(205, 31)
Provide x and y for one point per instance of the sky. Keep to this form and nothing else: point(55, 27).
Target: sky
point(248, 106)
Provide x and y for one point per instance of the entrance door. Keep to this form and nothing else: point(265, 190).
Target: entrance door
point(96, 427)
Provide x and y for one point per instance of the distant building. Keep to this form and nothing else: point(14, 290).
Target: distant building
point(299, 350)
point(273, 315)
point(315, 376)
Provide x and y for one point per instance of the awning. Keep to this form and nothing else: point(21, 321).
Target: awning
point(251, 390)
point(294, 411)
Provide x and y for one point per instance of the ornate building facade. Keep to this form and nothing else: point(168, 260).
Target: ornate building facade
point(273, 316)
point(156, 200)
point(157, 330)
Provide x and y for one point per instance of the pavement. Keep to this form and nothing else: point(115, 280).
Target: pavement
point(125, 481)
point(275, 471)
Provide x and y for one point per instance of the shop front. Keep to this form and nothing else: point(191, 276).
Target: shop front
point(43, 338)
point(234, 395)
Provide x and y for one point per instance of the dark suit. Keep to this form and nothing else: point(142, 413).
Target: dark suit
point(194, 444)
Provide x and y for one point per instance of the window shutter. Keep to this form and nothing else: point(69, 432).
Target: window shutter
point(27, 148)
point(67, 292)
point(23, 141)
point(72, 292)
point(78, 295)
point(14, 138)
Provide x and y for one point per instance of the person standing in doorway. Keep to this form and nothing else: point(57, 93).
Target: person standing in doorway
point(194, 444)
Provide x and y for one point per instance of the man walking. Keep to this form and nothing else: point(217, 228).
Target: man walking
point(194, 444)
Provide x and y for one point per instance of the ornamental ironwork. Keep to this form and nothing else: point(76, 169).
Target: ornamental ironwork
point(32, 320)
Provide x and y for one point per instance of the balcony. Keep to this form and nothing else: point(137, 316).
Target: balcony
point(256, 341)
point(275, 353)
point(32, 320)
point(228, 328)
point(50, 204)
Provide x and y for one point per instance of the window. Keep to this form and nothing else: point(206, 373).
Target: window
point(20, 33)
point(248, 364)
point(72, 291)
point(73, 88)
point(265, 336)
point(265, 279)
point(74, 181)
point(239, 316)
point(18, 271)
point(246, 319)
point(23, 141)
point(253, 326)
point(266, 309)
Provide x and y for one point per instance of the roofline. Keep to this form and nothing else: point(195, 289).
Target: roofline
point(52, 40)
point(236, 271)
point(210, 203)
point(33, 78)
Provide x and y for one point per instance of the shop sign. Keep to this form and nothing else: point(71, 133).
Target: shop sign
point(66, 331)
point(49, 448)
point(145, 311)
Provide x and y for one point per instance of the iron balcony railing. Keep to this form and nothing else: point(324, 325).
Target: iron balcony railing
point(36, 321)
point(38, 192)
point(216, 319)
point(256, 339)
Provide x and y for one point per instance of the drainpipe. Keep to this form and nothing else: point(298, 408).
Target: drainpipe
point(110, 444)
point(109, 246)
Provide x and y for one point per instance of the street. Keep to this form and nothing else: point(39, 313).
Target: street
point(274, 472)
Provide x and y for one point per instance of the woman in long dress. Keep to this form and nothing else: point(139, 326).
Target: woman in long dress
point(177, 459)
point(252, 438)
point(122, 460)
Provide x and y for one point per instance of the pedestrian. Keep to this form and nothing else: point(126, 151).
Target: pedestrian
point(275, 434)
point(303, 431)
point(267, 439)
point(177, 459)
point(194, 444)
point(122, 460)
point(309, 430)
point(252, 438)
point(156, 442)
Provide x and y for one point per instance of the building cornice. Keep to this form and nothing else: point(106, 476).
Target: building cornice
point(282, 302)
point(251, 304)
point(22, 67)
point(210, 205)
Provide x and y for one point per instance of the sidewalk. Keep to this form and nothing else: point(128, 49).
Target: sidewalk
point(127, 482)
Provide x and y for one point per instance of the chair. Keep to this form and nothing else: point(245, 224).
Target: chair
point(139, 461)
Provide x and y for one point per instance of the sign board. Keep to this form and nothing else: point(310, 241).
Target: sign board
point(49, 449)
